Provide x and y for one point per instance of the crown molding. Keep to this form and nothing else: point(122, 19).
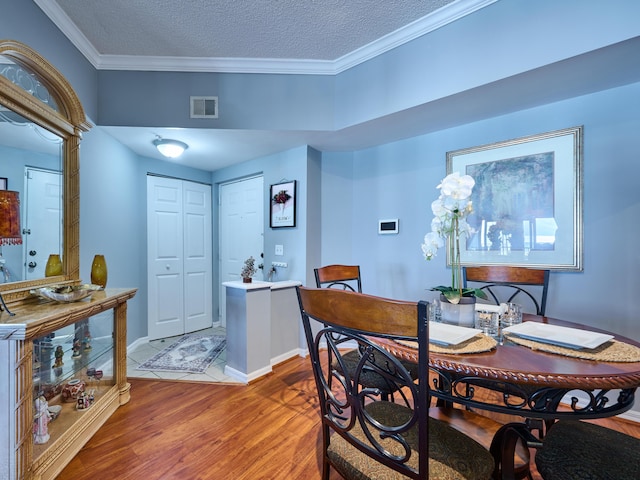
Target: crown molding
point(219, 65)
point(69, 29)
point(441, 17)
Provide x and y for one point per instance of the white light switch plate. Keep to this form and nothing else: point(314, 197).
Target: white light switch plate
point(279, 249)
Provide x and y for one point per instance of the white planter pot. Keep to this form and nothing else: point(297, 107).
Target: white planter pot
point(462, 314)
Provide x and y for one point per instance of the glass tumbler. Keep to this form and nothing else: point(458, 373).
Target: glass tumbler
point(435, 313)
point(488, 322)
point(512, 316)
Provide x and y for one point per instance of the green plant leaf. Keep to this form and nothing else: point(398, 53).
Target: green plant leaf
point(478, 293)
point(453, 295)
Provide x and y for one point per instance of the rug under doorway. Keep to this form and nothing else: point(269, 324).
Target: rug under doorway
point(190, 354)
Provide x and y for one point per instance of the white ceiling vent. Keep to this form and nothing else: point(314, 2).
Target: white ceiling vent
point(204, 107)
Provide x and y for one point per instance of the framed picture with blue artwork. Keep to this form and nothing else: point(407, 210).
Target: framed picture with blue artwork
point(527, 201)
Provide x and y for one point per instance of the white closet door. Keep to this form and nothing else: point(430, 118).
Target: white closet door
point(179, 257)
point(165, 257)
point(198, 293)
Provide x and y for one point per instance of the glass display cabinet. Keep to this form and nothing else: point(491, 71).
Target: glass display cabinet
point(64, 369)
point(62, 365)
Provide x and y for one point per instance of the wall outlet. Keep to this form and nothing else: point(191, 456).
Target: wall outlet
point(279, 250)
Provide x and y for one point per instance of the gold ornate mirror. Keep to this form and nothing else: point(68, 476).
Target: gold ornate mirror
point(41, 124)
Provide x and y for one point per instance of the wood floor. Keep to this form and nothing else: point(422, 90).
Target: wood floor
point(191, 431)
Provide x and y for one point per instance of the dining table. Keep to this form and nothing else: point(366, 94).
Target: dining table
point(531, 378)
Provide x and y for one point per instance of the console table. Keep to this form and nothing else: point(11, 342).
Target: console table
point(92, 337)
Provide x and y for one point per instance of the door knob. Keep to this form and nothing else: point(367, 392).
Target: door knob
point(32, 253)
point(33, 264)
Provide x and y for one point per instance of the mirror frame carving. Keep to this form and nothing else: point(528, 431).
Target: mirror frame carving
point(68, 123)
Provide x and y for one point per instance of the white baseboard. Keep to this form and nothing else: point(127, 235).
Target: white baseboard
point(631, 415)
point(107, 365)
point(246, 377)
point(136, 344)
point(296, 352)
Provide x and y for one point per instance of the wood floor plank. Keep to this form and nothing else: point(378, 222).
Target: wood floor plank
point(194, 431)
point(269, 429)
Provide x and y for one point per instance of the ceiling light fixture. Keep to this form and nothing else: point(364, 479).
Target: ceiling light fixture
point(170, 148)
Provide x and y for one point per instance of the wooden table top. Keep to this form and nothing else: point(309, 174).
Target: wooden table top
point(521, 365)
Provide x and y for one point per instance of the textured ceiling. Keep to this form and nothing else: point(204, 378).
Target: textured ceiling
point(306, 36)
point(293, 29)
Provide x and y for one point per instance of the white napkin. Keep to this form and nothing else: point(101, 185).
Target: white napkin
point(485, 307)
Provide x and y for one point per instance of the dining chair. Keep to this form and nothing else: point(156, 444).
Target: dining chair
point(347, 277)
point(364, 436)
point(511, 284)
point(578, 450)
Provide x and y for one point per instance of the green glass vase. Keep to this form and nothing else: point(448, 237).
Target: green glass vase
point(54, 266)
point(99, 271)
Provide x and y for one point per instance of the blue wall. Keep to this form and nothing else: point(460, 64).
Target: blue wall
point(246, 101)
point(25, 22)
point(399, 180)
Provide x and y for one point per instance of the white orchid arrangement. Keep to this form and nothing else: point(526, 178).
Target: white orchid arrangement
point(450, 211)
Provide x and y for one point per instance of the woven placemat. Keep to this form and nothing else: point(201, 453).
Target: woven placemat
point(479, 343)
point(611, 351)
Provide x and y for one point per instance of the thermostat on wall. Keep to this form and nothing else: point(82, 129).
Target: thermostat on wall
point(388, 226)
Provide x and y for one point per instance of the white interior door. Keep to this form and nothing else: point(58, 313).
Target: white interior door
point(198, 281)
point(241, 231)
point(42, 224)
point(165, 257)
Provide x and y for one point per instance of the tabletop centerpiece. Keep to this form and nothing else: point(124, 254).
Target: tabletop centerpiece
point(449, 224)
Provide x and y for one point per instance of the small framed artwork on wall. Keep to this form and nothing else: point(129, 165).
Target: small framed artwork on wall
point(4, 182)
point(282, 205)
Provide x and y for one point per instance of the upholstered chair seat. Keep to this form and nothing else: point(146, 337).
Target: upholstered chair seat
point(452, 455)
point(574, 450)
